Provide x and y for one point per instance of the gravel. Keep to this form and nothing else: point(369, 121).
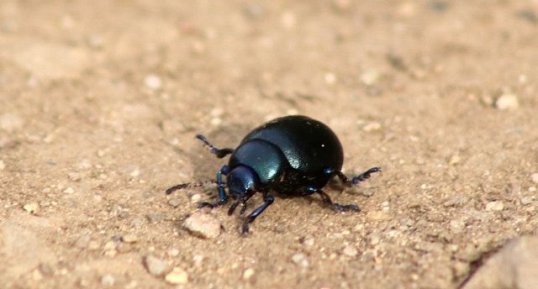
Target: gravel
point(177, 276)
point(203, 225)
point(507, 101)
point(155, 266)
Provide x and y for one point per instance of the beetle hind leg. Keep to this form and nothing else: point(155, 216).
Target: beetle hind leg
point(327, 200)
point(219, 153)
point(357, 179)
point(335, 206)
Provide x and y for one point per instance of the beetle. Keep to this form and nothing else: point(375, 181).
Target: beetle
point(291, 155)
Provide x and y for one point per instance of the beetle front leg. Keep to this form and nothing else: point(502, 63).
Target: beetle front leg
point(219, 153)
point(223, 198)
point(267, 201)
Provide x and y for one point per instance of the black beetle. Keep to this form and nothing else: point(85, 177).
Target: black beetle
point(292, 155)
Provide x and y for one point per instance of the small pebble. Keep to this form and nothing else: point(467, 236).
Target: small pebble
point(248, 273)
point(534, 178)
point(455, 159)
point(507, 101)
point(202, 225)
point(197, 260)
point(172, 252)
point(372, 126)
point(526, 200)
point(135, 173)
point(108, 280)
point(153, 81)
point(330, 78)
point(196, 198)
point(155, 217)
point(350, 251)
point(155, 266)
point(31, 208)
point(129, 238)
point(83, 242)
point(461, 268)
point(309, 242)
point(75, 177)
point(69, 190)
point(369, 77)
point(177, 276)
point(2, 165)
point(174, 202)
point(457, 226)
point(10, 122)
point(495, 206)
point(300, 259)
point(46, 269)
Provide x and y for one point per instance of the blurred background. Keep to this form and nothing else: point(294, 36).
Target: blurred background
point(100, 102)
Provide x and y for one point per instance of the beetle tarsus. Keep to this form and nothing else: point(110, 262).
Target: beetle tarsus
point(365, 175)
point(211, 205)
point(335, 206)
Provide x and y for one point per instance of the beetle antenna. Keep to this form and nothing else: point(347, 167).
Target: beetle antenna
point(188, 185)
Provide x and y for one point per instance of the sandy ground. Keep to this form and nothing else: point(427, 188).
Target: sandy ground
point(100, 102)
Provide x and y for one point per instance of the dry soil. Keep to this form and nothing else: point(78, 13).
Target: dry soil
point(100, 101)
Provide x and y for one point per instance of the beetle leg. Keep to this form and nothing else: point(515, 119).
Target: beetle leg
point(357, 179)
point(335, 206)
point(223, 198)
point(188, 185)
point(232, 207)
point(327, 200)
point(219, 153)
point(267, 201)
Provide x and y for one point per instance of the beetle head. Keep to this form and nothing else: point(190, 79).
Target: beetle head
point(242, 183)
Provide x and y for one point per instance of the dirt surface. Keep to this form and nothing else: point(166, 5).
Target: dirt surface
point(100, 102)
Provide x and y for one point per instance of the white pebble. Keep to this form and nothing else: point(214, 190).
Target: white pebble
point(300, 259)
point(495, 206)
point(350, 251)
point(2, 165)
point(10, 122)
point(372, 126)
point(202, 225)
point(534, 178)
point(130, 238)
point(177, 276)
point(507, 101)
point(173, 252)
point(369, 77)
point(155, 266)
point(526, 200)
point(69, 190)
point(135, 173)
point(248, 273)
point(330, 78)
point(196, 198)
point(108, 280)
point(153, 81)
point(31, 208)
